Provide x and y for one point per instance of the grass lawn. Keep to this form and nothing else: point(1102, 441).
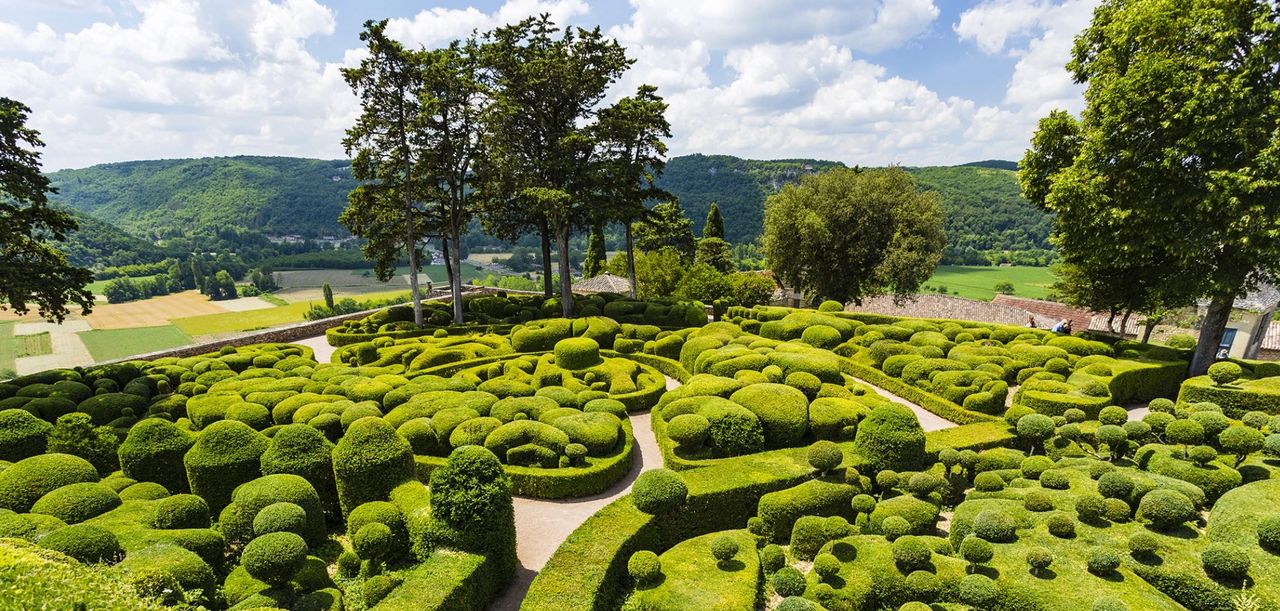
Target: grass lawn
point(35, 344)
point(437, 273)
point(978, 282)
point(252, 320)
point(8, 350)
point(107, 344)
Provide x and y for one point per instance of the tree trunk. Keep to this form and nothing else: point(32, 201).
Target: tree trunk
point(566, 277)
point(448, 262)
point(1151, 326)
point(631, 261)
point(1124, 324)
point(455, 277)
point(546, 261)
point(411, 244)
point(1215, 321)
point(1111, 321)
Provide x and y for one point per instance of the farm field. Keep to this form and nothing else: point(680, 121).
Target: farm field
point(8, 348)
point(107, 344)
point(235, 322)
point(978, 282)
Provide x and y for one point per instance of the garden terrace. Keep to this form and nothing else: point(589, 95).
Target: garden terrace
point(794, 474)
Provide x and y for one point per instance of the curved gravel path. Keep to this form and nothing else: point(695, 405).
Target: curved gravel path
point(929, 421)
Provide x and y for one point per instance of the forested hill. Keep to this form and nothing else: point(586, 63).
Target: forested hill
point(276, 195)
point(984, 207)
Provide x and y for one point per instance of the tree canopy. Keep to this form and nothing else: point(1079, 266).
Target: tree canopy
point(1177, 173)
point(848, 234)
point(33, 271)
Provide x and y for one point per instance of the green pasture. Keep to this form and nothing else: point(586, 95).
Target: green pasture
point(252, 320)
point(107, 344)
point(437, 273)
point(8, 349)
point(978, 282)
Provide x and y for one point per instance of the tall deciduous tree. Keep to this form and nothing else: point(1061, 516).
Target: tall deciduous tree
point(666, 226)
point(632, 131)
point(848, 234)
point(453, 101)
point(547, 85)
point(33, 271)
point(714, 227)
point(387, 150)
point(1179, 156)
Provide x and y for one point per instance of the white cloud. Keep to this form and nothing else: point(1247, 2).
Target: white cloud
point(438, 26)
point(993, 22)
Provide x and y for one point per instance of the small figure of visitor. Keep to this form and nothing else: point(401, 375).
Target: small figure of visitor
point(1063, 327)
point(1031, 322)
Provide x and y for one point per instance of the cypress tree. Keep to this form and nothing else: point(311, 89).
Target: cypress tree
point(714, 227)
point(594, 264)
point(328, 296)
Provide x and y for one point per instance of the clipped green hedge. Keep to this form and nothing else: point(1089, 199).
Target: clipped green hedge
point(933, 403)
point(1236, 398)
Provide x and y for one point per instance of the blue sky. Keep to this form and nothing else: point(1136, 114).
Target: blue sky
point(868, 82)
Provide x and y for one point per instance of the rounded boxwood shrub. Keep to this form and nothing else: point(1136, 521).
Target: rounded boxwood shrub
point(225, 455)
point(76, 503)
point(772, 558)
point(348, 564)
point(1061, 525)
point(577, 353)
point(911, 553)
point(143, 491)
point(804, 382)
point(1033, 467)
point(274, 558)
point(471, 491)
point(689, 431)
point(153, 451)
point(1039, 558)
point(373, 541)
point(923, 484)
point(1038, 500)
point(644, 567)
point(797, 603)
point(1091, 507)
point(1143, 545)
point(1117, 510)
point(85, 542)
point(1224, 372)
point(1115, 485)
point(826, 566)
point(187, 567)
point(1055, 479)
point(824, 456)
point(22, 435)
point(1113, 414)
point(280, 517)
point(922, 586)
point(890, 438)
point(1109, 603)
point(1269, 533)
point(788, 581)
point(598, 431)
point(989, 481)
point(783, 412)
point(377, 588)
point(724, 548)
point(369, 461)
point(995, 525)
point(1166, 509)
point(658, 491)
point(1102, 561)
point(180, 511)
point(979, 590)
point(24, 482)
point(1225, 561)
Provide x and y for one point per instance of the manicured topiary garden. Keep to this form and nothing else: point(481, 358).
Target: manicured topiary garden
point(796, 472)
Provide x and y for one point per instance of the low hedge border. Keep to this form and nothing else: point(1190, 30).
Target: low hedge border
point(664, 365)
point(589, 570)
point(929, 401)
point(978, 436)
point(447, 581)
point(562, 483)
point(338, 337)
point(1235, 399)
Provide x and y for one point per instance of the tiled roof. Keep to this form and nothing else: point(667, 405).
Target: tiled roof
point(945, 306)
point(1264, 298)
point(1080, 319)
point(604, 283)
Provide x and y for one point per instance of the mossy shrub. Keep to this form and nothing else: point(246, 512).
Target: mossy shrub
point(577, 353)
point(599, 432)
point(369, 461)
point(143, 491)
point(280, 517)
point(911, 553)
point(191, 571)
point(385, 513)
point(783, 412)
point(1223, 560)
point(87, 543)
point(995, 525)
point(644, 567)
point(298, 449)
point(659, 491)
point(24, 482)
point(1269, 533)
point(274, 558)
point(153, 451)
point(22, 435)
point(75, 503)
point(689, 431)
point(1061, 525)
point(238, 519)
point(788, 581)
point(224, 456)
point(1166, 509)
point(180, 511)
point(890, 438)
point(1102, 561)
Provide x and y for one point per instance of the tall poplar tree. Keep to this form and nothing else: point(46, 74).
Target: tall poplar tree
point(386, 148)
point(714, 226)
point(33, 271)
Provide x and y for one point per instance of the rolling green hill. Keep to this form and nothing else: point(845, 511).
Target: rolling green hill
point(282, 195)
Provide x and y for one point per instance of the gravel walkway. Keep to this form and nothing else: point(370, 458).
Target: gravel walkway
point(928, 420)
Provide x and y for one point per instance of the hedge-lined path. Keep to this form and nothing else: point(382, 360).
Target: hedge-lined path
point(929, 421)
point(320, 344)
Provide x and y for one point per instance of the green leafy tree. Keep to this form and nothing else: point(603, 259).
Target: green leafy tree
point(453, 101)
point(594, 264)
point(658, 273)
point(632, 133)
point(546, 86)
point(1178, 167)
point(703, 283)
point(666, 226)
point(32, 270)
point(717, 253)
point(714, 227)
point(387, 149)
point(848, 234)
point(751, 289)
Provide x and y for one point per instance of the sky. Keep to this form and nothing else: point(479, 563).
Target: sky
point(869, 82)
